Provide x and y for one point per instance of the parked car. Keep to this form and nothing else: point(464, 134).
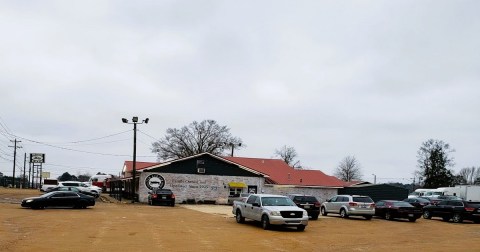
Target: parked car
point(457, 210)
point(349, 205)
point(161, 196)
point(436, 199)
point(59, 199)
point(418, 202)
point(307, 202)
point(241, 197)
point(391, 209)
point(81, 186)
point(72, 189)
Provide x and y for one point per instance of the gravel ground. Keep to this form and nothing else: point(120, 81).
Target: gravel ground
point(138, 227)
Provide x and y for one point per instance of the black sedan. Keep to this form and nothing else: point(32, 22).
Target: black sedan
point(59, 199)
point(390, 209)
point(418, 202)
point(161, 196)
point(72, 189)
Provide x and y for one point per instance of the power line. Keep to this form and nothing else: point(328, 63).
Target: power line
point(148, 135)
point(90, 140)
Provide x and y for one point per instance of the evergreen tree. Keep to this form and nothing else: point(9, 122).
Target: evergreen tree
point(433, 161)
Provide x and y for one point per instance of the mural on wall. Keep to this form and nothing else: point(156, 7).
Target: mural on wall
point(154, 181)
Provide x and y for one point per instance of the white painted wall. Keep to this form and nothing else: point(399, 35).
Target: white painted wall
point(198, 187)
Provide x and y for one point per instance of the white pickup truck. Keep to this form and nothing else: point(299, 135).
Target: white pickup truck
point(270, 210)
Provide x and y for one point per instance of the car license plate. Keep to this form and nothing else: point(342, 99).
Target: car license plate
point(363, 206)
point(307, 206)
point(410, 215)
point(164, 197)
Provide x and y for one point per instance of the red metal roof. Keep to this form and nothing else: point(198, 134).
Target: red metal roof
point(281, 173)
point(128, 165)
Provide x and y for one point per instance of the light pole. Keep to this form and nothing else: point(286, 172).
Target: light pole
point(134, 169)
point(374, 179)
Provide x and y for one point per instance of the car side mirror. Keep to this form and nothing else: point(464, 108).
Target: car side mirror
point(255, 204)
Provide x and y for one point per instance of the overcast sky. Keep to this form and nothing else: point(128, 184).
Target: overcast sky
point(373, 79)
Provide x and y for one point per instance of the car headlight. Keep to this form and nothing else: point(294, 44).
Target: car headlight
point(28, 201)
point(305, 214)
point(275, 213)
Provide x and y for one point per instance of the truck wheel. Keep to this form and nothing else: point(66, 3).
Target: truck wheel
point(457, 218)
point(300, 227)
point(323, 211)
point(412, 219)
point(315, 217)
point(343, 213)
point(427, 214)
point(265, 222)
point(238, 217)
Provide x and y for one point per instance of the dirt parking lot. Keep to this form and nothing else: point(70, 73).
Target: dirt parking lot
point(138, 227)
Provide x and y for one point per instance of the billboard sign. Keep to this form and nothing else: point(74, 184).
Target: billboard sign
point(37, 158)
point(45, 174)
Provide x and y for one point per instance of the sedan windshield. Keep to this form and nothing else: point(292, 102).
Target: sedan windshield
point(277, 201)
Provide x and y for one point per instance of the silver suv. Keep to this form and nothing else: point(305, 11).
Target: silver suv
point(347, 205)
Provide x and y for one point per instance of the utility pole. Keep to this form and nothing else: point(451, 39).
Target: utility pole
point(30, 173)
point(14, 157)
point(24, 164)
point(134, 122)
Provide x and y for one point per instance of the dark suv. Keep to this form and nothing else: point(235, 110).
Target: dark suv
point(309, 203)
point(457, 210)
point(161, 196)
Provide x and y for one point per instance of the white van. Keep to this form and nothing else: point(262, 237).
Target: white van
point(420, 192)
point(48, 184)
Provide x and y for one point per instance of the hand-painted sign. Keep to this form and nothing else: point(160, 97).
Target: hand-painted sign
point(154, 181)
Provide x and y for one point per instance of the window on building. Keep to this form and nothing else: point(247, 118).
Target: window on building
point(235, 192)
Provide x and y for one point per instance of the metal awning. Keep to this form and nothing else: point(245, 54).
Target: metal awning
point(237, 184)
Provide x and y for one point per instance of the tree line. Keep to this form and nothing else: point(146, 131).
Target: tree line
point(433, 157)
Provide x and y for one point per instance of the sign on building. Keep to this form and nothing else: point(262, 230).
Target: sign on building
point(37, 158)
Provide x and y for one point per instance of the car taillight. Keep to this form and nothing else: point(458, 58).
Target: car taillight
point(154, 196)
point(317, 204)
point(352, 204)
point(469, 209)
point(173, 196)
point(372, 205)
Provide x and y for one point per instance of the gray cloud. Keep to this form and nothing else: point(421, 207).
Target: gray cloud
point(371, 79)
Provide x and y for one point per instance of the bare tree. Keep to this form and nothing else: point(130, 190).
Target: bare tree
point(288, 154)
point(196, 138)
point(469, 175)
point(348, 169)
